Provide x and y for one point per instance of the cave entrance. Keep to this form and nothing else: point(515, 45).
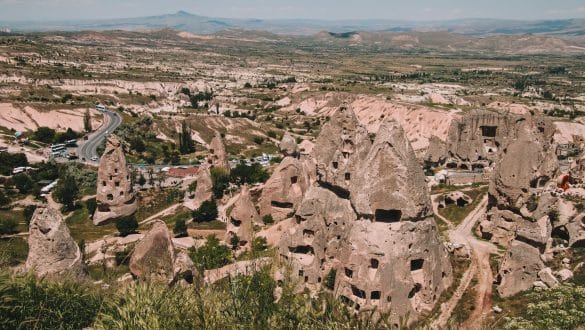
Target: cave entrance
point(388, 216)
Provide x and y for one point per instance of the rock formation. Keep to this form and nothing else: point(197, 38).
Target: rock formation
point(241, 219)
point(52, 250)
point(436, 152)
point(519, 203)
point(217, 154)
point(154, 256)
point(288, 146)
point(115, 195)
point(284, 190)
point(369, 218)
point(203, 191)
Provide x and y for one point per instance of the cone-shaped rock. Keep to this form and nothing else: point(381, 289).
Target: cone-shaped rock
point(154, 256)
point(242, 217)
point(115, 195)
point(288, 146)
point(52, 250)
point(217, 154)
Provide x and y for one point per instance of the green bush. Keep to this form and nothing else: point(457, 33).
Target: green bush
point(244, 174)
point(9, 161)
point(220, 179)
point(4, 200)
point(28, 303)
point(211, 255)
point(126, 225)
point(268, 219)
point(8, 226)
point(180, 229)
point(206, 212)
point(259, 244)
point(329, 282)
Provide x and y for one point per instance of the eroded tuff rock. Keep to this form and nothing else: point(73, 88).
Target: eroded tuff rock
point(154, 256)
point(203, 191)
point(241, 218)
point(479, 135)
point(115, 195)
point(284, 190)
point(437, 151)
point(520, 202)
point(217, 154)
point(288, 146)
point(52, 250)
point(519, 269)
point(374, 227)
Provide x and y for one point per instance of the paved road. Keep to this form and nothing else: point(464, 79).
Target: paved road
point(89, 148)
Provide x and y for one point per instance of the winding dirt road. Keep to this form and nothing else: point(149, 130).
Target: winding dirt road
point(480, 267)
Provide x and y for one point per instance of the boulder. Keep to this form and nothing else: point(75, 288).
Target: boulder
point(547, 277)
point(52, 250)
point(288, 146)
point(154, 256)
point(519, 269)
point(564, 275)
point(183, 268)
point(115, 194)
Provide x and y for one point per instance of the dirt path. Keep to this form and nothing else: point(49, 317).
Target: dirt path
point(168, 211)
point(480, 267)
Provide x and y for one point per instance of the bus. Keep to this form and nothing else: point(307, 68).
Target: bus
point(101, 108)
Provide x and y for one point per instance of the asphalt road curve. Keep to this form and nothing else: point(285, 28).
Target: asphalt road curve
point(89, 148)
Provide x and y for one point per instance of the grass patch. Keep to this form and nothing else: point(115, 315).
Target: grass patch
point(82, 227)
point(466, 305)
point(155, 200)
point(108, 275)
point(211, 225)
point(13, 251)
point(443, 227)
point(457, 214)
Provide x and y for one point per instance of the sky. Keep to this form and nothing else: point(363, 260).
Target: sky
point(423, 10)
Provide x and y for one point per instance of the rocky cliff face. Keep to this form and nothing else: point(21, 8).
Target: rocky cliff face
point(288, 146)
point(115, 195)
point(52, 250)
point(369, 219)
point(520, 197)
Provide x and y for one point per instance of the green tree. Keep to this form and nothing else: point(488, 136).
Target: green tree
point(141, 180)
point(126, 225)
point(186, 144)
point(206, 212)
point(244, 174)
point(180, 229)
point(211, 255)
point(87, 121)
point(67, 191)
point(4, 200)
point(23, 183)
point(91, 205)
point(44, 134)
point(329, 282)
point(259, 244)
point(235, 241)
point(221, 179)
point(8, 226)
point(28, 212)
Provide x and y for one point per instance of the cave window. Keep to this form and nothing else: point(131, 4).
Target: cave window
point(416, 264)
point(388, 215)
point(358, 292)
point(414, 290)
point(116, 170)
point(489, 131)
point(211, 151)
point(121, 193)
point(104, 183)
point(301, 272)
point(302, 249)
point(294, 179)
point(374, 263)
point(348, 272)
point(375, 295)
point(111, 178)
point(318, 279)
point(335, 165)
point(347, 176)
point(117, 183)
point(110, 197)
point(236, 223)
point(306, 279)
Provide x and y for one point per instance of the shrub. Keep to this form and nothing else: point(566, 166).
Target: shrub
point(126, 225)
point(206, 212)
point(23, 183)
point(122, 258)
point(235, 242)
point(26, 302)
point(259, 244)
point(4, 200)
point(67, 191)
point(329, 282)
point(220, 178)
point(91, 205)
point(268, 219)
point(180, 229)
point(8, 226)
point(211, 255)
point(244, 174)
point(9, 161)
point(28, 212)
point(258, 139)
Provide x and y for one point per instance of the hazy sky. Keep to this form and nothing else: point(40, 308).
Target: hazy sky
point(321, 9)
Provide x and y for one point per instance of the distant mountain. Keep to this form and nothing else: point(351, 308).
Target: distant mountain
point(188, 22)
